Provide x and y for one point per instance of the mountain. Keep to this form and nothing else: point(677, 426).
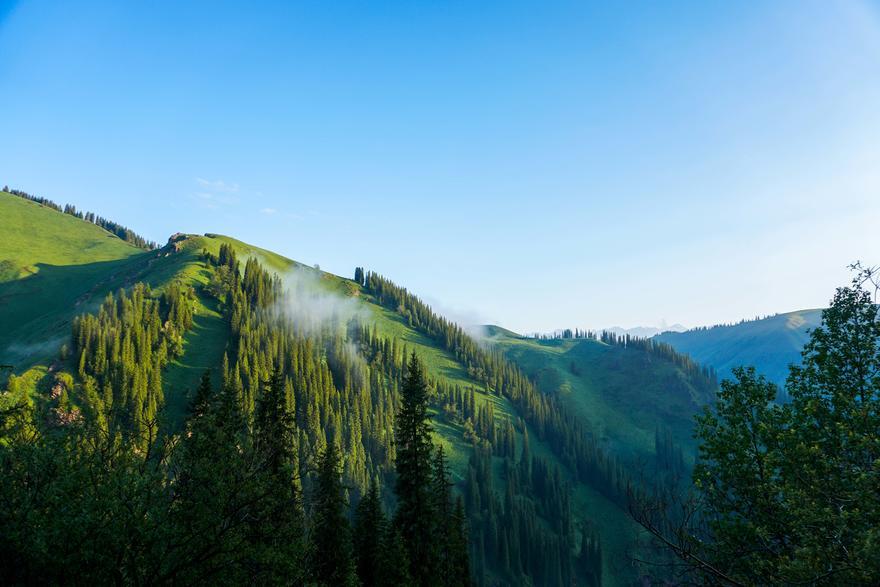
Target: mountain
point(769, 344)
point(542, 436)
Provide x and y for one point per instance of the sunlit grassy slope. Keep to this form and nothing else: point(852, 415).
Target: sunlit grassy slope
point(60, 266)
point(53, 266)
point(624, 393)
point(769, 344)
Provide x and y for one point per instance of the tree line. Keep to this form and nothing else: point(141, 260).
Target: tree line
point(115, 228)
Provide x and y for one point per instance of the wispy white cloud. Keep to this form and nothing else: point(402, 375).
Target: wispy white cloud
point(217, 185)
point(268, 211)
point(214, 194)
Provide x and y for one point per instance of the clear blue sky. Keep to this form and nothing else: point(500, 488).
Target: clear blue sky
point(537, 165)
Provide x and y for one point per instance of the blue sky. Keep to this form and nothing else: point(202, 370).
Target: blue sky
point(537, 165)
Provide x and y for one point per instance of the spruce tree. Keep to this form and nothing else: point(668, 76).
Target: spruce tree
point(369, 532)
point(330, 551)
point(450, 539)
point(278, 521)
point(200, 402)
point(208, 521)
point(415, 512)
point(394, 559)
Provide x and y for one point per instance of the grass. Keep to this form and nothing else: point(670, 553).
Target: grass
point(203, 349)
point(55, 266)
point(622, 393)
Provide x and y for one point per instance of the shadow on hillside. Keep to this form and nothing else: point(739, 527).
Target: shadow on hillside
point(36, 310)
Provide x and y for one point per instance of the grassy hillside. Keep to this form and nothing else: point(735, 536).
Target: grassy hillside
point(53, 266)
point(769, 344)
point(56, 266)
point(624, 393)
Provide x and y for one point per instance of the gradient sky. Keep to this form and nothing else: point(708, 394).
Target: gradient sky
point(537, 165)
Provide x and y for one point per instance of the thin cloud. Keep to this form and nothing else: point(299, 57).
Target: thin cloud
point(268, 211)
point(214, 194)
point(217, 185)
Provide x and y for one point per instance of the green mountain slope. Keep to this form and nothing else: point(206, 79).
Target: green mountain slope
point(57, 267)
point(52, 266)
point(625, 393)
point(769, 344)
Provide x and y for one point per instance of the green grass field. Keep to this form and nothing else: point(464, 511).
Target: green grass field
point(623, 393)
point(54, 267)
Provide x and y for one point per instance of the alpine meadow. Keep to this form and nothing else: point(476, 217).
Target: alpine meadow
point(584, 294)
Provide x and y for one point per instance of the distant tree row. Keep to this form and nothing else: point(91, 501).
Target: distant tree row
point(703, 377)
point(115, 228)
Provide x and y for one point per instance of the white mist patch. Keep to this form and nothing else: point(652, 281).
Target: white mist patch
point(482, 333)
point(312, 307)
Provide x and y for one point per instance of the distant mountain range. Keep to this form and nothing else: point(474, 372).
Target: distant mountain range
point(769, 344)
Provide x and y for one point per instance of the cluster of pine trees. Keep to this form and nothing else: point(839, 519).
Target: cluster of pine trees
point(557, 560)
point(537, 525)
point(119, 230)
point(120, 353)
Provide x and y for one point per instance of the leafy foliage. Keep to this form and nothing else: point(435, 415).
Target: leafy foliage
point(790, 494)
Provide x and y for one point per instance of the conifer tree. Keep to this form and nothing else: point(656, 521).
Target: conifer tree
point(278, 523)
point(213, 485)
point(369, 532)
point(201, 401)
point(394, 559)
point(415, 512)
point(450, 542)
point(330, 554)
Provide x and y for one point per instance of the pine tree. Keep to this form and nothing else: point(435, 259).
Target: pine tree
point(415, 512)
point(450, 539)
point(200, 403)
point(369, 531)
point(330, 553)
point(209, 517)
point(278, 522)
